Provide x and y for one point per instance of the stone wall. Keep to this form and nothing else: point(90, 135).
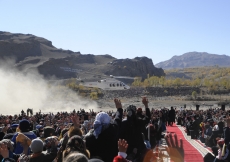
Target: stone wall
point(151, 91)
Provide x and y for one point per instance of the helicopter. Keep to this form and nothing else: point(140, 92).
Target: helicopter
point(109, 83)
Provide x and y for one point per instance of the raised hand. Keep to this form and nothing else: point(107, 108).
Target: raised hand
point(175, 147)
point(145, 101)
point(117, 103)
point(122, 145)
point(75, 120)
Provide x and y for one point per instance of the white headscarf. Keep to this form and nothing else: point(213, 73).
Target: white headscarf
point(102, 120)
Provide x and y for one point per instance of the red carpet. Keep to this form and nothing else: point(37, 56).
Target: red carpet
point(190, 153)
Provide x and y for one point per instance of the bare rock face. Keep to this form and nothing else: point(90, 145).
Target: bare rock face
point(77, 65)
point(139, 66)
point(67, 67)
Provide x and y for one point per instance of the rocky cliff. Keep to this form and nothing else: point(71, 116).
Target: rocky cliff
point(139, 66)
point(32, 52)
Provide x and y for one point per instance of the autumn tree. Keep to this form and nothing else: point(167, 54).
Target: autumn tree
point(194, 94)
point(177, 82)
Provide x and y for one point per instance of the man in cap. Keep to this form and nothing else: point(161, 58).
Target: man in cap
point(24, 127)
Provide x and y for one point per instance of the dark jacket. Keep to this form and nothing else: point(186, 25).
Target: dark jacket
point(105, 146)
point(143, 121)
point(221, 127)
point(195, 125)
point(172, 115)
point(132, 130)
point(227, 136)
point(48, 157)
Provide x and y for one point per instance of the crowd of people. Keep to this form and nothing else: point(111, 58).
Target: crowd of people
point(211, 127)
point(128, 134)
point(93, 136)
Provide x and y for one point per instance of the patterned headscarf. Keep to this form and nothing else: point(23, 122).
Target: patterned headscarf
point(131, 111)
point(76, 143)
point(102, 121)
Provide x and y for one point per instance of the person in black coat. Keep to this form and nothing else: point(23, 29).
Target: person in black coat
point(221, 127)
point(172, 116)
point(143, 121)
point(102, 140)
point(195, 126)
point(133, 129)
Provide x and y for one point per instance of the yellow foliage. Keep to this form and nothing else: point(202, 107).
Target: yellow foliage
point(81, 87)
point(137, 82)
point(94, 95)
point(213, 78)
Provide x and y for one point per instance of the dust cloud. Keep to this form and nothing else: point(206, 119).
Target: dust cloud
point(19, 91)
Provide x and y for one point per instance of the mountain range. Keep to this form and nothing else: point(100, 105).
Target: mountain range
point(195, 59)
point(31, 52)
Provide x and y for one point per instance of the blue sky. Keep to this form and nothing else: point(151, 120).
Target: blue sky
point(158, 29)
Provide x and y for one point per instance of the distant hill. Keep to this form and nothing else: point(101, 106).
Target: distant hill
point(32, 52)
point(195, 59)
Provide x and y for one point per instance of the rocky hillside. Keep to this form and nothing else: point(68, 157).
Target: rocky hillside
point(32, 52)
point(139, 66)
point(22, 46)
point(195, 59)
